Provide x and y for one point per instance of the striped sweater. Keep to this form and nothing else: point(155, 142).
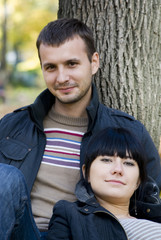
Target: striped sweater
point(141, 229)
point(62, 147)
point(59, 170)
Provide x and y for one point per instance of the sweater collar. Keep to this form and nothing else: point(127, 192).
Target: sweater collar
point(43, 103)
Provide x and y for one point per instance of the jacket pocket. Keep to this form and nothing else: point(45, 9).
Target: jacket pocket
point(13, 149)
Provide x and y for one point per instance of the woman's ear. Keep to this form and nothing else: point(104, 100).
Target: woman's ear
point(83, 170)
point(138, 184)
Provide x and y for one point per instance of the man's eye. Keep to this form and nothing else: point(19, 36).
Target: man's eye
point(50, 68)
point(72, 64)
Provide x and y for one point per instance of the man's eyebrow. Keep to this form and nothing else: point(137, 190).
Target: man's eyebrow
point(73, 60)
point(66, 61)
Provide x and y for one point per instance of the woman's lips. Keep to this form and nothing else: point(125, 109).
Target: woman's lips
point(115, 181)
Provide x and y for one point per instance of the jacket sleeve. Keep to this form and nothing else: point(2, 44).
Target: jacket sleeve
point(59, 226)
point(153, 158)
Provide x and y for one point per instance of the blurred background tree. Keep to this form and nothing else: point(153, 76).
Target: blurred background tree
point(21, 22)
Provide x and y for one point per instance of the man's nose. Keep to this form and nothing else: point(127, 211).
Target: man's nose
point(62, 75)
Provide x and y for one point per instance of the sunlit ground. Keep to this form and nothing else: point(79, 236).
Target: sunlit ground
point(18, 97)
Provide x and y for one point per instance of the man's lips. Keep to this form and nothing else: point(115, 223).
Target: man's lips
point(115, 181)
point(65, 88)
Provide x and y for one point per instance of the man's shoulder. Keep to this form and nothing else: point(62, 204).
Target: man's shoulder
point(117, 118)
point(116, 113)
point(16, 114)
point(14, 119)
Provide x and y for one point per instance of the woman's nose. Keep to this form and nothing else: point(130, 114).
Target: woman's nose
point(117, 168)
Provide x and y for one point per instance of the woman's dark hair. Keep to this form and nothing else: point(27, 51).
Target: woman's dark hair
point(119, 142)
point(57, 32)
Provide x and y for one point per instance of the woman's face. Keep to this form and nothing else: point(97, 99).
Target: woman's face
point(114, 179)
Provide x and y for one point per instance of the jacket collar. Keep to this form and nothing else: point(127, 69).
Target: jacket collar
point(146, 207)
point(92, 107)
point(83, 191)
point(41, 106)
point(43, 103)
point(91, 206)
point(87, 202)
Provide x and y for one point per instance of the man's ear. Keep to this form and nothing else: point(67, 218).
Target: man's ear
point(95, 62)
point(83, 170)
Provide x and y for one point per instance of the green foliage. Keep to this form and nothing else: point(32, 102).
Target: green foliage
point(25, 19)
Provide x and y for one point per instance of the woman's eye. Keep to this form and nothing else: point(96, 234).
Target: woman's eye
point(129, 163)
point(106, 160)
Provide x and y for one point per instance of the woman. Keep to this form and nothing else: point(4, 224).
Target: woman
point(114, 176)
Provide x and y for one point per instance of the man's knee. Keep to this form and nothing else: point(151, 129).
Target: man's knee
point(11, 181)
point(14, 198)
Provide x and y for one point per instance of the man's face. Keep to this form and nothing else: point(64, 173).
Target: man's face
point(67, 70)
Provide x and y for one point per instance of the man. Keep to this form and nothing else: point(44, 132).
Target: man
point(48, 140)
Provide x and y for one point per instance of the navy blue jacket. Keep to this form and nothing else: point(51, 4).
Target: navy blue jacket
point(87, 220)
point(22, 140)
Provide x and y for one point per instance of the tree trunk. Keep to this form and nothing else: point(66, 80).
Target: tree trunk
point(128, 39)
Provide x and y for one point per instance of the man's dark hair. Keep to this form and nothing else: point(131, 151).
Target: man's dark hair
point(57, 32)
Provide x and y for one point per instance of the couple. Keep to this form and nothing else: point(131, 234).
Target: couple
point(43, 147)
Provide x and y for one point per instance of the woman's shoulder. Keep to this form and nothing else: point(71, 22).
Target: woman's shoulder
point(65, 203)
point(63, 206)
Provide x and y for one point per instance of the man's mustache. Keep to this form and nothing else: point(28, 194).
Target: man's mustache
point(65, 85)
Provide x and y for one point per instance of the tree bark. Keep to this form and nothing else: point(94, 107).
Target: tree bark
point(128, 38)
